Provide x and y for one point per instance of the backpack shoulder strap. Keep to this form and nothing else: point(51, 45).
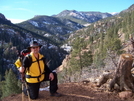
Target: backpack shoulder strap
point(30, 61)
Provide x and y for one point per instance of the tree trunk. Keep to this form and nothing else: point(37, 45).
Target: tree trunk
point(123, 77)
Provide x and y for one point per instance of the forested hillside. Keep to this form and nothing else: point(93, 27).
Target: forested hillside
point(97, 47)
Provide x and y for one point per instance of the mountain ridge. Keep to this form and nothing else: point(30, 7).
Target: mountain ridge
point(82, 15)
point(58, 27)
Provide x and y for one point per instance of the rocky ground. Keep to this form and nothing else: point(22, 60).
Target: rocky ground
point(75, 92)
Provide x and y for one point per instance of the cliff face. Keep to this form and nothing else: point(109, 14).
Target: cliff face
point(64, 64)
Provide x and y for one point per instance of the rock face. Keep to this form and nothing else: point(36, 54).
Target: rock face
point(64, 64)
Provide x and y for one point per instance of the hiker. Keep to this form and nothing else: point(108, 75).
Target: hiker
point(38, 71)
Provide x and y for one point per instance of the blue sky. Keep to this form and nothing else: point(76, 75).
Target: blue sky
point(20, 10)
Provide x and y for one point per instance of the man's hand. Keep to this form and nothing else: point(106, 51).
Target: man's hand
point(51, 76)
point(21, 69)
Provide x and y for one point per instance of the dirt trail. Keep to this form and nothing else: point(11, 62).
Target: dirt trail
point(74, 92)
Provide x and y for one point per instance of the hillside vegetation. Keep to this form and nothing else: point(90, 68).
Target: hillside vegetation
point(97, 47)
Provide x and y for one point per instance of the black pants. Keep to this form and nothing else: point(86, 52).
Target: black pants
point(34, 87)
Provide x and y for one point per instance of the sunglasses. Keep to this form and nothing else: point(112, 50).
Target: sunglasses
point(34, 47)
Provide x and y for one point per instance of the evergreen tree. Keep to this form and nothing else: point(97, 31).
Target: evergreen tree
point(0, 77)
point(0, 89)
point(10, 85)
point(87, 58)
point(78, 46)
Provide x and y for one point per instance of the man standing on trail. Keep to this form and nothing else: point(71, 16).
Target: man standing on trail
point(37, 71)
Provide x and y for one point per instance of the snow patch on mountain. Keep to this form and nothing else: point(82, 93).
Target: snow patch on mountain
point(34, 23)
point(114, 13)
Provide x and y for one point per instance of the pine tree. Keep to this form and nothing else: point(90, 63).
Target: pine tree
point(10, 85)
point(87, 58)
point(0, 89)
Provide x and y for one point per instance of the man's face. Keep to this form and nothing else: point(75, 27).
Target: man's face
point(35, 50)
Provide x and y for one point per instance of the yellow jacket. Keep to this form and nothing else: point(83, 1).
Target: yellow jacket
point(18, 63)
point(35, 73)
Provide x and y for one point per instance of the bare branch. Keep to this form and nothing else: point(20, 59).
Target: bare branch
point(112, 57)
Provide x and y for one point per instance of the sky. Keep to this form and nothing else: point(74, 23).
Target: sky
point(21, 10)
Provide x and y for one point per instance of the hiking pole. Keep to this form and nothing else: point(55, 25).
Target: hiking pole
point(27, 91)
point(24, 87)
point(22, 91)
point(22, 81)
point(24, 84)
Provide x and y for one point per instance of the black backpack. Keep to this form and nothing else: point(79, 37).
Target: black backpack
point(23, 53)
point(21, 56)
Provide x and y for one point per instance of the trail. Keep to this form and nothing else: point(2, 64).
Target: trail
point(74, 92)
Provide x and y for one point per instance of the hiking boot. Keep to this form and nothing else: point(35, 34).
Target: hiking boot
point(56, 94)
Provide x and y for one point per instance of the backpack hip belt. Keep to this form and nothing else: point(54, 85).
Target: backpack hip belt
point(29, 76)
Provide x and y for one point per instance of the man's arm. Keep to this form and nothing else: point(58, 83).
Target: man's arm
point(25, 64)
point(47, 70)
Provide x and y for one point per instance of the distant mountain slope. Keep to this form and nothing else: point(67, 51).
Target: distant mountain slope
point(83, 17)
point(52, 27)
point(57, 27)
